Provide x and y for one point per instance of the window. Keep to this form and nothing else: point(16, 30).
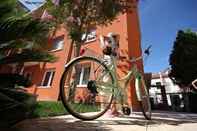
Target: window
point(48, 78)
point(158, 83)
point(57, 44)
point(84, 75)
point(31, 5)
point(91, 36)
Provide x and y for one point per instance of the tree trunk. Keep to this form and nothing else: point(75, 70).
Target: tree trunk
point(186, 99)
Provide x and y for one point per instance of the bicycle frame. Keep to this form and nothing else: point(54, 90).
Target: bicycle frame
point(120, 85)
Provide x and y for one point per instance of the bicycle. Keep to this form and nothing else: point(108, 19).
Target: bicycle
point(91, 98)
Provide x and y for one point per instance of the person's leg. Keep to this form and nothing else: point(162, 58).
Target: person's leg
point(113, 111)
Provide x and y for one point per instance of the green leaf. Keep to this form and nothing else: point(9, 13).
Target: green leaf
point(28, 56)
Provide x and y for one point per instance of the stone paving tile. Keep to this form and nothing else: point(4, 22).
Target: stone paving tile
point(162, 121)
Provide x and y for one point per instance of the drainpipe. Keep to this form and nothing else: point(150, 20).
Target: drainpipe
point(161, 79)
point(163, 92)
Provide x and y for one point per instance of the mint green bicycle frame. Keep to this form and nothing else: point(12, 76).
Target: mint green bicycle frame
point(120, 85)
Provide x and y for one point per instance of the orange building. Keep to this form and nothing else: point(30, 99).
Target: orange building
point(46, 76)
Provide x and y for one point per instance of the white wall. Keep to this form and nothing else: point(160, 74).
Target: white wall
point(167, 82)
point(169, 86)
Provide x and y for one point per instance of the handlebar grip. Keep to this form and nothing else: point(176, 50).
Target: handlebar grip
point(147, 50)
point(194, 84)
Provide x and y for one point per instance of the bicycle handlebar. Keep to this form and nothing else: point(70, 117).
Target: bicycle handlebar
point(146, 52)
point(136, 59)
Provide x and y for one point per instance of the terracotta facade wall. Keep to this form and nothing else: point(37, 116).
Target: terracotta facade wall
point(126, 26)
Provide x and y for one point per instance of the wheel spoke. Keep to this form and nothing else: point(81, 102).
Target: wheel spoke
point(88, 87)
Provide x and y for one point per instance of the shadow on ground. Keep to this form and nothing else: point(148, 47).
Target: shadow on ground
point(143, 122)
point(56, 124)
point(102, 124)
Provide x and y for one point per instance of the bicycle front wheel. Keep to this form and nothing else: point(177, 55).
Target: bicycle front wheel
point(86, 88)
point(143, 98)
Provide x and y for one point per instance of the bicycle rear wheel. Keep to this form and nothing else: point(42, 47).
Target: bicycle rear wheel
point(143, 98)
point(86, 88)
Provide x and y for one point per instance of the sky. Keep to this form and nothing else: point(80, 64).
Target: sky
point(159, 22)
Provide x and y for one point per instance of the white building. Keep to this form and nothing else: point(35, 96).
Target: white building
point(162, 79)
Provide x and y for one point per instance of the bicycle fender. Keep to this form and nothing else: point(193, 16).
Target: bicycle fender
point(137, 89)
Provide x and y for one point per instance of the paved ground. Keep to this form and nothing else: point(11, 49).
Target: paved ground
point(162, 121)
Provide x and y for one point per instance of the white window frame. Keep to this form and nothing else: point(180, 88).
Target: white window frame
point(51, 77)
point(91, 36)
point(81, 77)
point(60, 44)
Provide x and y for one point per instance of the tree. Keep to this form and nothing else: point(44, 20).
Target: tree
point(78, 16)
point(22, 37)
point(183, 58)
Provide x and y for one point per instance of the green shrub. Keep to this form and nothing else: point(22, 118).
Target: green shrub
point(15, 106)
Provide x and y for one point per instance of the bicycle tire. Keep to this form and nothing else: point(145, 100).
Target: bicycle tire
point(69, 100)
point(144, 99)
